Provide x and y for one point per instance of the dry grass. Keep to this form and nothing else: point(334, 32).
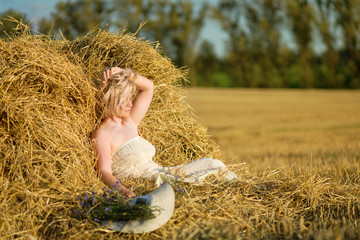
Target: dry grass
point(311, 137)
point(282, 128)
point(48, 111)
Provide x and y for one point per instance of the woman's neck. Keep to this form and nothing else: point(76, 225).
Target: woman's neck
point(117, 121)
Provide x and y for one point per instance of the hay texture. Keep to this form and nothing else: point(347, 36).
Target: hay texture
point(48, 111)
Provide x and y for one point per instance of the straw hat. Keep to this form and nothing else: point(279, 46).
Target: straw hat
point(163, 198)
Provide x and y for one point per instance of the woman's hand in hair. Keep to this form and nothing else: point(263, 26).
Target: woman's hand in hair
point(106, 74)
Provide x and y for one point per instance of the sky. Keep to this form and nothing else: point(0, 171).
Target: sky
point(37, 9)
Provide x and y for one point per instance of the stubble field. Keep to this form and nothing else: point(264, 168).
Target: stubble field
point(308, 141)
point(282, 128)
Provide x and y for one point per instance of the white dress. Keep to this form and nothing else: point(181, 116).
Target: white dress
point(135, 159)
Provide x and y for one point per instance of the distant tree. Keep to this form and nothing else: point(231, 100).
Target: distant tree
point(177, 26)
point(348, 18)
point(301, 15)
point(9, 23)
point(206, 64)
point(75, 18)
point(230, 14)
point(327, 74)
point(132, 14)
point(254, 29)
point(264, 21)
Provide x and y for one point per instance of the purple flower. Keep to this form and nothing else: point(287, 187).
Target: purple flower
point(96, 219)
point(76, 211)
point(180, 190)
point(107, 209)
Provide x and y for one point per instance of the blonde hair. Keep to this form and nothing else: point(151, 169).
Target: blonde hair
point(114, 90)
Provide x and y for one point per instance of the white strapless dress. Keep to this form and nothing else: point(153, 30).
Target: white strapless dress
point(135, 159)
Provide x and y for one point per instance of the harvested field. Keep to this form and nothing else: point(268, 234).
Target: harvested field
point(281, 128)
point(48, 110)
point(311, 135)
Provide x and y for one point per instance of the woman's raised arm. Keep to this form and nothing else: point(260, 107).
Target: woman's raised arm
point(143, 99)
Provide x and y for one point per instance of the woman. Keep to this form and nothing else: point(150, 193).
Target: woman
point(121, 152)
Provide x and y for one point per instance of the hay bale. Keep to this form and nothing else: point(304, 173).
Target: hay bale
point(48, 112)
point(170, 123)
point(46, 117)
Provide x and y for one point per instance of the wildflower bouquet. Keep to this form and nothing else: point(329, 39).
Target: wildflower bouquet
point(111, 205)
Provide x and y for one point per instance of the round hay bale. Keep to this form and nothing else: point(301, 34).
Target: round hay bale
point(46, 118)
point(48, 112)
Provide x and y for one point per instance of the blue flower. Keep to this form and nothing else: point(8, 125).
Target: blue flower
point(107, 209)
point(96, 219)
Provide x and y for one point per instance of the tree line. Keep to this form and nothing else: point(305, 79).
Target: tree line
point(270, 43)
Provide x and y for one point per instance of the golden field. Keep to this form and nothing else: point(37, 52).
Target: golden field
point(282, 128)
point(296, 151)
point(299, 160)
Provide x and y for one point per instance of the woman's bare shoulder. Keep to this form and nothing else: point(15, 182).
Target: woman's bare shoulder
point(103, 131)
